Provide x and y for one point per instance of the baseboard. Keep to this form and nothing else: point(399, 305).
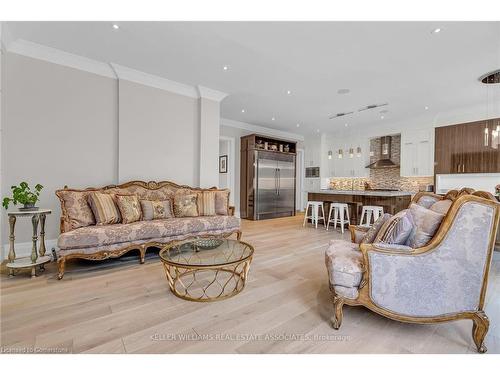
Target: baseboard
point(23, 249)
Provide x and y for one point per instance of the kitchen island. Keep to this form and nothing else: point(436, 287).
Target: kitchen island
point(391, 201)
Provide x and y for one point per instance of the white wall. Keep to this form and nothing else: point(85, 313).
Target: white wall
point(158, 135)
point(80, 127)
point(60, 129)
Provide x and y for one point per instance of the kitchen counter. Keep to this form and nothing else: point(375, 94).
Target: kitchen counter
point(371, 193)
point(391, 201)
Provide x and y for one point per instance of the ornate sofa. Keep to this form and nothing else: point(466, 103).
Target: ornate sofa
point(442, 281)
point(98, 242)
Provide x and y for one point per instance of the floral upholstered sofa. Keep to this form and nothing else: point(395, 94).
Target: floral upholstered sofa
point(440, 279)
point(81, 238)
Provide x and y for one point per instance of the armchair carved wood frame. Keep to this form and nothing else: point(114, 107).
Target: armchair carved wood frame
point(461, 297)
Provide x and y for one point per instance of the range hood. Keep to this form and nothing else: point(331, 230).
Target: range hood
point(384, 155)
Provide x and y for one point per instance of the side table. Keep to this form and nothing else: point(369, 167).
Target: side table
point(38, 258)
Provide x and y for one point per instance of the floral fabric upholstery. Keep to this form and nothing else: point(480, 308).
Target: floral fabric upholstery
point(375, 229)
point(344, 263)
point(446, 280)
point(426, 223)
point(130, 208)
point(441, 206)
point(98, 236)
point(79, 213)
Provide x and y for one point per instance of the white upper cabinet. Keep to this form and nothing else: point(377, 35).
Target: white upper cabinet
point(417, 153)
point(347, 166)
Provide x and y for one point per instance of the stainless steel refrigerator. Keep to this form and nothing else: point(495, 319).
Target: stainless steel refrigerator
point(274, 185)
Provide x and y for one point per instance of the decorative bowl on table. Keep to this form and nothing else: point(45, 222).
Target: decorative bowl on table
point(208, 243)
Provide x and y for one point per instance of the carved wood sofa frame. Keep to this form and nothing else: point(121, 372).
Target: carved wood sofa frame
point(142, 248)
point(478, 317)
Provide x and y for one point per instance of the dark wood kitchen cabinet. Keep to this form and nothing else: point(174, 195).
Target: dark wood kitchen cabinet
point(461, 148)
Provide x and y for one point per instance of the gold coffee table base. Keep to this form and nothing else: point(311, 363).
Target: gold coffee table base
point(199, 273)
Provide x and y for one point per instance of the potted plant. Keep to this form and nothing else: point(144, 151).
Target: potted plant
point(22, 194)
point(497, 191)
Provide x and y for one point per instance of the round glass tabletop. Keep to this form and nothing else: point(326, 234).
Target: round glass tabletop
point(206, 252)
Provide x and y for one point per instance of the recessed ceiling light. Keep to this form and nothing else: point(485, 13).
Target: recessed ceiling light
point(242, 111)
point(288, 92)
point(381, 117)
point(272, 119)
point(298, 125)
point(225, 67)
point(343, 91)
point(436, 30)
point(345, 125)
point(317, 130)
point(426, 108)
point(115, 26)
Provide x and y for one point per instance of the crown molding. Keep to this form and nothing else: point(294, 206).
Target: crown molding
point(208, 93)
point(151, 80)
point(261, 130)
point(56, 56)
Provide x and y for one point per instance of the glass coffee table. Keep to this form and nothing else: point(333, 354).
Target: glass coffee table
point(206, 269)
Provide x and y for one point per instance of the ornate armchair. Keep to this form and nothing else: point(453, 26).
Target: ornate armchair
point(443, 281)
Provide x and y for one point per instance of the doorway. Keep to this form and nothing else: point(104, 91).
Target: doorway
point(227, 180)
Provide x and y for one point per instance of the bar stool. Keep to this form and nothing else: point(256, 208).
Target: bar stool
point(340, 212)
point(315, 206)
point(368, 212)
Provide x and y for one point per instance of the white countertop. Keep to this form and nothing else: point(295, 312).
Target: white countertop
point(374, 193)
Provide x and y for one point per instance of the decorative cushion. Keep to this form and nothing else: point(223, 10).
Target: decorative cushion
point(426, 222)
point(153, 210)
point(397, 229)
point(96, 236)
point(373, 231)
point(222, 202)
point(427, 201)
point(206, 203)
point(130, 208)
point(185, 205)
point(104, 208)
point(442, 206)
point(77, 208)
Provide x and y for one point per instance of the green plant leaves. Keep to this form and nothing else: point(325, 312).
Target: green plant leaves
point(23, 194)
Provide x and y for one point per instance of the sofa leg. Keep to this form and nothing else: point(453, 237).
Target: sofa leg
point(338, 303)
point(61, 264)
point(480, 326)
point(142, 254)
point(238, 235)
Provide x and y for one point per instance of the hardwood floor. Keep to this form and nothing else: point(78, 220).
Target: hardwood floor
point(119, 306)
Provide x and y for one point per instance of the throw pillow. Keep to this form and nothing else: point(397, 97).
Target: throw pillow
point(206, 203)
point(130, 208)
point(369, 237)
point(222, 202)
point(185, 205)
point(398, 229)
point(153, 210)
point(104, 208)
point(426, 222)
point(442, 206)
point(77, 208)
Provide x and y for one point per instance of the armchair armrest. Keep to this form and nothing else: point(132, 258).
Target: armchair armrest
point(357, 233)
point(231, 210)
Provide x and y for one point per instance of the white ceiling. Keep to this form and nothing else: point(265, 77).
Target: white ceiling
point(402, 63)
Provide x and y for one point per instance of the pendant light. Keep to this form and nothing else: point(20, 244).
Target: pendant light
point(351, 152)
point(358, 152)
point(340, 153)
point(330, 153)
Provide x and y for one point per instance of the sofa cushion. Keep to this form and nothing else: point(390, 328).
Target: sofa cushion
point(427, 223)
point(206, 203)
point(397, 229)
point(344, 262)
point(375, 228)
point(130, 208)
point(104, 208)
point(77, 208)
point(442, 206)
point(93, 236)
point(222, 202)
point(154, 210)
point(185, 205)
